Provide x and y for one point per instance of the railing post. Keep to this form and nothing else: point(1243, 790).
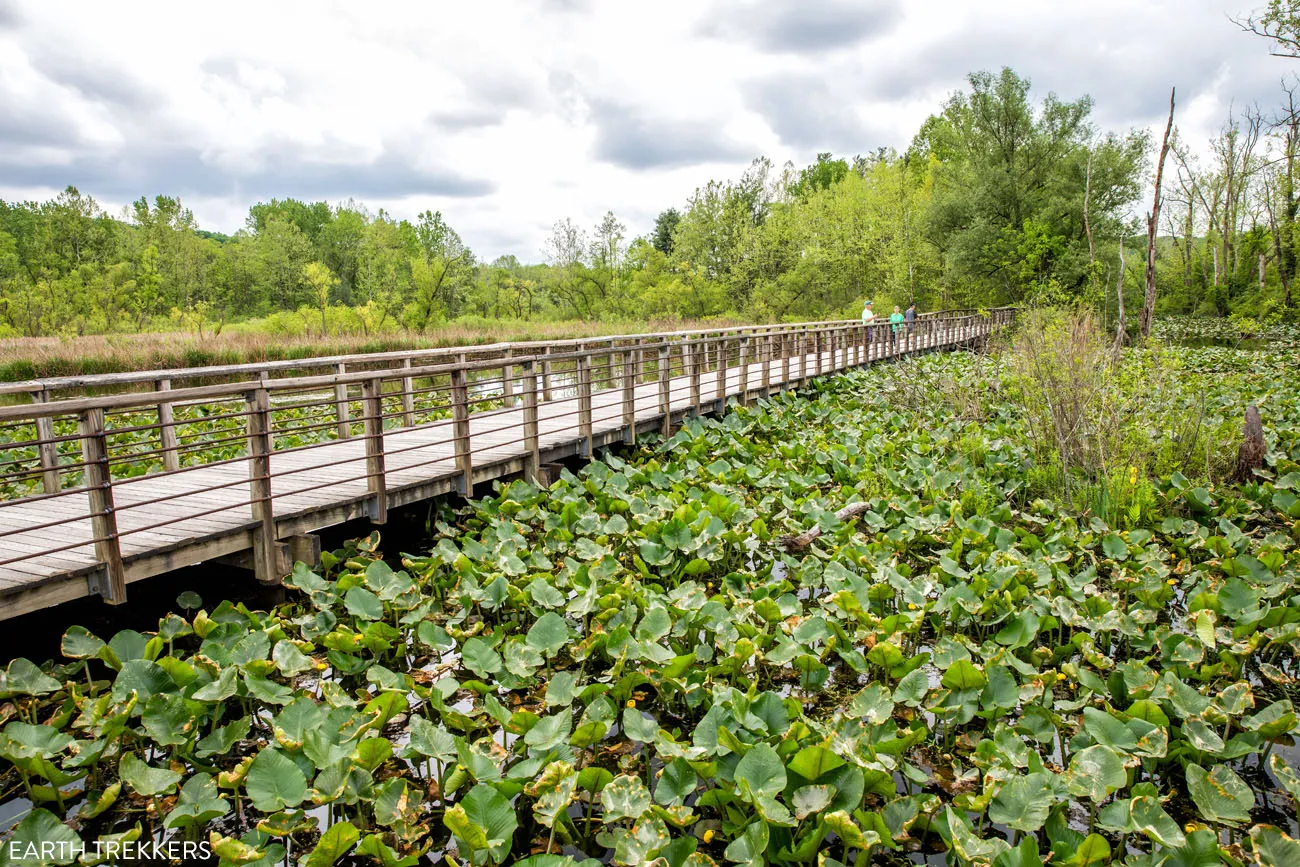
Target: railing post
point(546, 376)
point(532, 458)
point(785, 360)
point(507, 387)
point(260, 444)
point(341, 403)
point(460, 429)
point(665, 397)
point(629, 395)
point(408, 396)
point(103, 520)
point(692, 359)
point(376, 479)
point(743, 353)
point(720, 391)
point(167, 429)
point(49, 449)
point(584, 401)
point(640, 361)
point(766, 354)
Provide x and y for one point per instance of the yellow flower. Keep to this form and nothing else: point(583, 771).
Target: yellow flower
point(631, 702)
point(708, 836)
point(1172, 581)
point(911, 606)
point(1132, 476)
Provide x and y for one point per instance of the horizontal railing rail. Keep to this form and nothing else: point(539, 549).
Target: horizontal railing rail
point(116, 486)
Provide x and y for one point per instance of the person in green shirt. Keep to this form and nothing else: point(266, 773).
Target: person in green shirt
point(896, 323)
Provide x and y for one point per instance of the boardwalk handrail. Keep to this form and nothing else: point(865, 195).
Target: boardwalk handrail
point(108, 488)
point(135, 377)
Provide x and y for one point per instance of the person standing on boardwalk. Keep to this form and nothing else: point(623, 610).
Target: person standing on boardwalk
point(896, 322)
point(910, 316)
point(868, 316)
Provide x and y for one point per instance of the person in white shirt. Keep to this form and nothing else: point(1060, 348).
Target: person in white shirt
point(868, 316)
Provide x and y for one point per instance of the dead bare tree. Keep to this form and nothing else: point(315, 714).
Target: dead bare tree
point(1148, 316)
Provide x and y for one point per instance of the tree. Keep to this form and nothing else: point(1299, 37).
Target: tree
point(320, 283)
point(1279, 22)
point(1153, 223)
point(665, 225)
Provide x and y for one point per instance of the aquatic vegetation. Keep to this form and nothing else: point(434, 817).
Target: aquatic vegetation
point(629, 666)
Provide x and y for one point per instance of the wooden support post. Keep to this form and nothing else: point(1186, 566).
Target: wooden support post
point(460, 430)
point(266, 554)
point(376, 480)
point(532, 457)
point(665, 378)
point(640, 361)
point(629, 395)
point(584, 401)
point(341, 404)
point(49, 449)
point(743, 364)
point(103, 520)
point(305, 548)
point(167, 429)
point(692, 360)
point(507, 387)
point(408, 396)
point(546, 376)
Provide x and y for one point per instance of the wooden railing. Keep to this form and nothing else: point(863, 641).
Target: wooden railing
point(150, 467)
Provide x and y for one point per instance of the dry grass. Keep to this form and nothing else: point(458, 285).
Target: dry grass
point(37, 357)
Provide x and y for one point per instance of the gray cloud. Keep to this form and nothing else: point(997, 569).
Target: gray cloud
point(799, 27)
point(94, 81)
point(803, 111)
point(474, 117)
point(631, 140)
point(9, 18)
point(184, 171)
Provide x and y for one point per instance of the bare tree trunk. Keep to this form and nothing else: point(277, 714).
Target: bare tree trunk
point(1153, 222)
point(1250, 454)
point(797, 543)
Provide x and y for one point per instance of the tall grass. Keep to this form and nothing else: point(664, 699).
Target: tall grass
point(38, 357)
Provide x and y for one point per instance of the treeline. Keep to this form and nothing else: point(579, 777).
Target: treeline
point(999, 199)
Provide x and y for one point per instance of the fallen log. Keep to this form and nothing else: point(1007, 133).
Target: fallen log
point(791, 544)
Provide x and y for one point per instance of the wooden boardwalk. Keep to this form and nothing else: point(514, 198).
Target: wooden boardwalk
point(48, 548)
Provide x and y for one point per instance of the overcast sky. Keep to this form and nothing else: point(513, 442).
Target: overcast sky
point(507, 116)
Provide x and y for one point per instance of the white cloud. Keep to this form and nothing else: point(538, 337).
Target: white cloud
point(510, 115)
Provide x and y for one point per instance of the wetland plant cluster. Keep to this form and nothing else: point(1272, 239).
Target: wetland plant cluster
point(629, 666)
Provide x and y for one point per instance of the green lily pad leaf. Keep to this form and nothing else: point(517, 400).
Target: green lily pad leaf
point(813, 761)
point(638, 727)
point(749, 847)
point(624, 797)
point(24, 677)
point(1274, 847)
point(189, 601)
point(80, 643)
point(25, 741)
point(760, 772)
point(479, 657)
point(199, 803)
point(676, 783)
point(145, 780)
point(374, 848)
point(1221, 795)
point(1114, 547)
point(1096, 772)
point(549, 732)
point(275, 782)
point(1150, 818)
point(336, 842)
point(554, 790)
point(1023, 803)
point(962, 675)
point(363, 604)
point(484, 822)
point(811, 799)
point(548, 634)
point(40, 839)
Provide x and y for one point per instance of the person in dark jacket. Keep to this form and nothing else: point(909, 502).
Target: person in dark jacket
point(910, 317)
